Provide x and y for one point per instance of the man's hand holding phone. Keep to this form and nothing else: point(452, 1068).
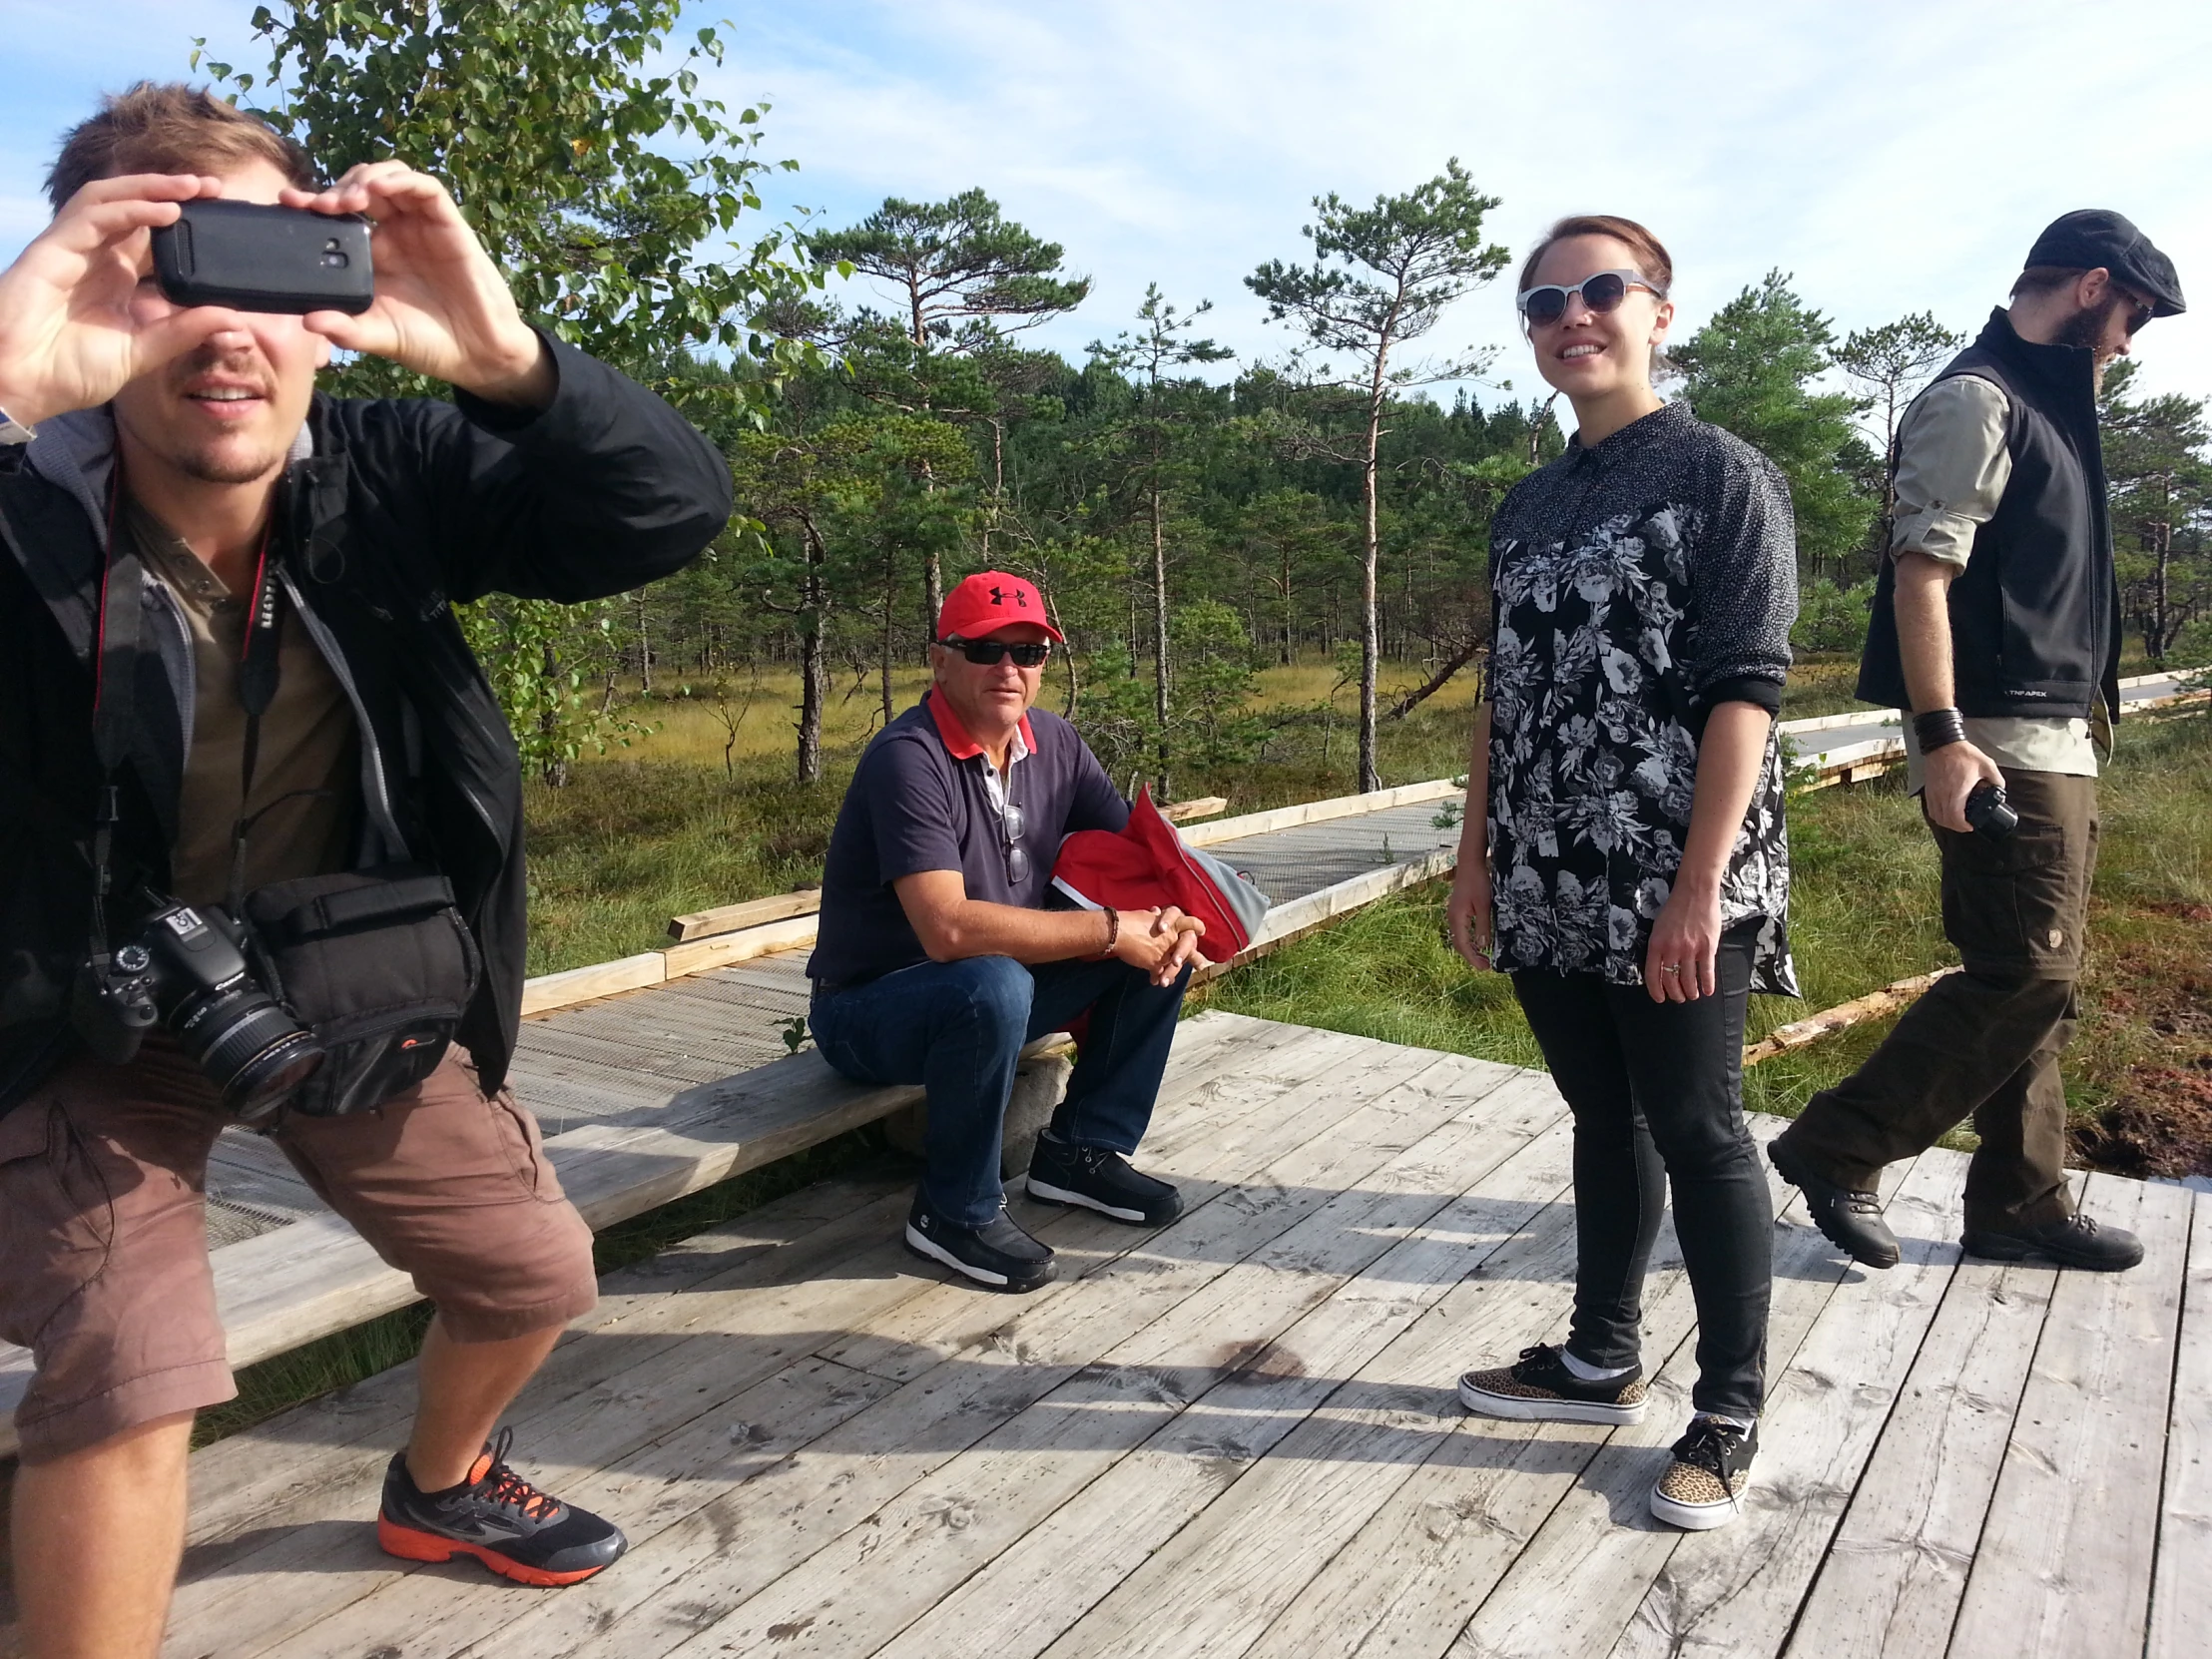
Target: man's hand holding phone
point(80, 317)
point(441, 306)
point(71, 335)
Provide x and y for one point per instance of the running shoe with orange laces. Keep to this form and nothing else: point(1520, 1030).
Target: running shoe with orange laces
point(497, 1517)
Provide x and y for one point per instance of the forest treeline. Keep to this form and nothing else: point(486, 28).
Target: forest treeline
point(1191, 518)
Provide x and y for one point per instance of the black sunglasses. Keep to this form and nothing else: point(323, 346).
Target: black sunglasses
point(1602, 291)
point(990, 653)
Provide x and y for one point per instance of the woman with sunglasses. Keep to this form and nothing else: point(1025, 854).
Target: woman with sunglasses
point(1623, 855)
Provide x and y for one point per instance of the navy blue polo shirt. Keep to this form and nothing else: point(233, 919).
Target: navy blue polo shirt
point(919, 802)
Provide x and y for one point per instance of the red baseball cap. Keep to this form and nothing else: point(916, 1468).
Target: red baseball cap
point(988, 601)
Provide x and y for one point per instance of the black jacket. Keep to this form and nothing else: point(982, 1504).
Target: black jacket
point(2036, 615)
point(401, 511)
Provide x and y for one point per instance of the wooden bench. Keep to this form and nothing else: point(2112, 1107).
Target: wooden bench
point(312, 1277)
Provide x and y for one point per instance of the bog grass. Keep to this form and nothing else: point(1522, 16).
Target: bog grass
point(1863, 913)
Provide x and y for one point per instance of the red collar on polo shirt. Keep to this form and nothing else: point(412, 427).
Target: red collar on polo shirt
point(957, 743)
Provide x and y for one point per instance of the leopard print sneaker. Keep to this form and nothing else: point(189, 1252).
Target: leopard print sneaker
point(1703, 1488)
point(1539, 1387)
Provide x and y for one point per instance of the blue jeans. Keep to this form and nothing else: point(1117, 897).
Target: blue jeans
point(958, 1027)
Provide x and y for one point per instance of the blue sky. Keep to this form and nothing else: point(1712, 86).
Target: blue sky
point(1894, 157)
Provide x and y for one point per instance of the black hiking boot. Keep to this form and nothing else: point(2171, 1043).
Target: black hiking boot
point(1849, 1218)
point(2076, 1242)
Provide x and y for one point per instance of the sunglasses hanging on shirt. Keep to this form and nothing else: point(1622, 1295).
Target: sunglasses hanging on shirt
point(1010, 822)
point(990, 653)
point(1602, 291)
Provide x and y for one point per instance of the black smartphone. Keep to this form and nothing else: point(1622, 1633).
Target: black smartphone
point(254, 258)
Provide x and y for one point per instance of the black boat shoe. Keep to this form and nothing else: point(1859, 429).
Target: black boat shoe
point(997, 1254)
point(1850, 1218)
point(2076, 1242)
point(1061, 1172)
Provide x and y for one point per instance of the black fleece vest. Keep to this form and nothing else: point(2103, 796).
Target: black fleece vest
point(2036, 615)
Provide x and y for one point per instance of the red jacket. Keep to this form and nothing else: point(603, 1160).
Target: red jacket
point(1147, 866)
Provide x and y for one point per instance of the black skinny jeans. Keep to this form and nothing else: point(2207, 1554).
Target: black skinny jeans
point(1656, 1089)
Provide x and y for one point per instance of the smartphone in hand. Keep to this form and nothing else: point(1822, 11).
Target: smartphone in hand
point(254, 258)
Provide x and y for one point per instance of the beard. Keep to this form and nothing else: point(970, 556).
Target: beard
point(2087, 330)
point(215, 467)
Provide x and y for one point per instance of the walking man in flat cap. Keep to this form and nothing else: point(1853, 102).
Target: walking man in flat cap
point(1997, 627)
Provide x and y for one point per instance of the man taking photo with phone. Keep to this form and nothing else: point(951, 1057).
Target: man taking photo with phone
point(232, 681)
point(1997, 627)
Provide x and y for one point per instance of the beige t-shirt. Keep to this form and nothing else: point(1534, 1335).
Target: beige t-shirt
point(310, 742)
point(1952, 466)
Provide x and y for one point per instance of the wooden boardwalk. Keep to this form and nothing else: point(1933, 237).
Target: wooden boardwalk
point(1237, 1436)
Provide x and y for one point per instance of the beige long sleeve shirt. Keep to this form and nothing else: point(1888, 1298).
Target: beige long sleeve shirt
point(1952, 466)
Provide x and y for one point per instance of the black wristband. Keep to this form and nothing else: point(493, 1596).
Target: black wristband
point(1113, 931)
point(1938, 729)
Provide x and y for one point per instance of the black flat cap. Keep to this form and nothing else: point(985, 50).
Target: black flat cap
point(2094, 237)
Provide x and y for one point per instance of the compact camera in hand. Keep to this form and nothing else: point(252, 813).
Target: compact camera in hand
point(188, 970)
point(1990, 813)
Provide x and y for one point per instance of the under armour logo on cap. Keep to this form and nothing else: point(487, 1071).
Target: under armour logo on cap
point(978, 605)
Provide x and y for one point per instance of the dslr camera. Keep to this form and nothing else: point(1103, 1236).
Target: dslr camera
point(188, 970)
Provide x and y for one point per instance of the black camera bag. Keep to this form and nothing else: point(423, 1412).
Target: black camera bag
point(378, 965)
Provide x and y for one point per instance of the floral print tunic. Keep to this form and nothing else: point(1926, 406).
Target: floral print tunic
point(1635, 584)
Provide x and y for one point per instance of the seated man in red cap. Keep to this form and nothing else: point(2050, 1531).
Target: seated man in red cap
point(937, 960)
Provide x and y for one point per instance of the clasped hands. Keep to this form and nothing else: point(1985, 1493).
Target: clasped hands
point(1159, 942)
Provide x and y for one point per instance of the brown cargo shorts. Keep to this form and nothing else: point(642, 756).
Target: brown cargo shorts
point(103, 1231)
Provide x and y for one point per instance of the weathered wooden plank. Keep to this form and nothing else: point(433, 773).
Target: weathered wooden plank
point(2180, 1609)
point(736, 1039)
point(1235, 1571)
point(936, 1326)
point(1300, 917)
point(1580, 1578)
point(1737, 1590)
point(251, 1477)
point(1076, 1551)
point(728, 918)
point(797, 1308)
point(246, 1169)
point(1315, 811)
point(1047, 1452)
point(1896, 1568)
point(741, 946)
point(1185, 812)
point(559, 990)
point(776, 1297)
point(839, 1482)
point(2065, 1561)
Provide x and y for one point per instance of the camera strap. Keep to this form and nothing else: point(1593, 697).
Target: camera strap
point(118, 646)
point(114, 708)
point(258, 677)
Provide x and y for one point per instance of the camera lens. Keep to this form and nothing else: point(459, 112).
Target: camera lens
point(247, 1046)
